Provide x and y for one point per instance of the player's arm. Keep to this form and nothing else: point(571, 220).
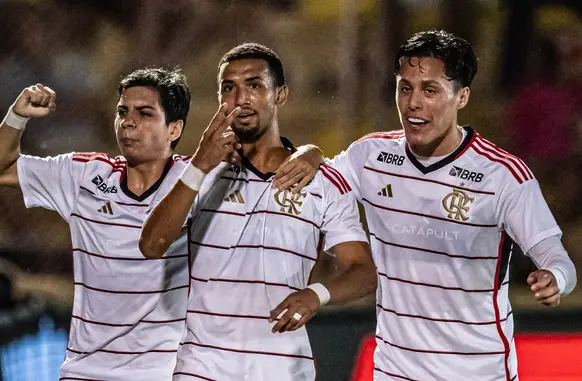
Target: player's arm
point(557, 274)
point(34, 101)
point(298, 169)
point(357, 279)
point(529, 221)
point(163, 225)
point(301, 167)
point(346, 239)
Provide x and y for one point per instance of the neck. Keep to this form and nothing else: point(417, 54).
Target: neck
point(267, 153)
point(140, 177)
point(442, 146)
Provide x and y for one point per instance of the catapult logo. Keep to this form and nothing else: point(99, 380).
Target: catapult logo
point(465, 174)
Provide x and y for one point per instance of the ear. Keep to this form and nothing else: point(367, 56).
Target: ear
point(175, 129)
point(463, 97)
point(282, 94)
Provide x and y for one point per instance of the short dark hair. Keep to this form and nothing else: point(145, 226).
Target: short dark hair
point(457, 54)
point(252, 50)
point(172, 87)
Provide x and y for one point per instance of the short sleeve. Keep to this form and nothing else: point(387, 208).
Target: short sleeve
point(50, 182)
point(351, 164)
point(525, 215)
point(341, 217)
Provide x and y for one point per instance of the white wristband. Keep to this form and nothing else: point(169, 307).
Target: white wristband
point(14, 121)
point(192, 177)
point(322, 292)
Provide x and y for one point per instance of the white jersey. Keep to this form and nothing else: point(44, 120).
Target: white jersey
point(128, 312)
point(442, 238)
point(251, 247)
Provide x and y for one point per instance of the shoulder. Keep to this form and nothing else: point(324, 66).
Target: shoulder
point(506, 167)
point(377, 140)
point(331, 181)
point(381, 136)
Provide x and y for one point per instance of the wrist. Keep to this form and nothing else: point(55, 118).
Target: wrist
point(14, 120)
point(193, 177)
point(322, 293)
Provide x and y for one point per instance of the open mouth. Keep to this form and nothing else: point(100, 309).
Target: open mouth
point(417, 121)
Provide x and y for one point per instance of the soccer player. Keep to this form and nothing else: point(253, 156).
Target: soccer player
point(253, 247)
point(445, 208)
point(128, 313)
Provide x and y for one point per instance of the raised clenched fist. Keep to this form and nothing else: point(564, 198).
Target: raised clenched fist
point(35, 101)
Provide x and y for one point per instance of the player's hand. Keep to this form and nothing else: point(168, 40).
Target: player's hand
point(545, 287)
point(304, 303)
point(218, 140)
point(299, 169)
point(35, 101)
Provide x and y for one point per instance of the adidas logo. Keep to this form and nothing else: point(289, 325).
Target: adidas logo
point(106, 209)
point(235, 197)
point(386, 191)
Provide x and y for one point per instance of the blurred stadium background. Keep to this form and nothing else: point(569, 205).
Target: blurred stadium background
point(338, 56)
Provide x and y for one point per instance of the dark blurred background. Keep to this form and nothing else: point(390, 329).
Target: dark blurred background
point(338, 56)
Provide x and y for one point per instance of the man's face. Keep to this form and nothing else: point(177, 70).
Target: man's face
point(140, 125)
point(248, 84)
point(427, 102)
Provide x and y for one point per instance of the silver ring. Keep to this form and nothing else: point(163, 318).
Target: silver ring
point(297, 316)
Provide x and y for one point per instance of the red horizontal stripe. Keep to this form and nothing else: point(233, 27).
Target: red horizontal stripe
point(193, 375)
point(130, 292)
point(128, 324)
point(260, 212)
point(104, 222)
point(440, 320)
point(428, 216)
point(78, 378)
point(429, 250)
point(248, 351)
point(427, 180)
point(436, 285)
point(245, 281)
point(439, 352)
point(276, 249)
point(127, 258)
point(123, 352)
point(228, 315)
point(140, 205)
point(394, 375)
point(242, 179)
point(253, 247)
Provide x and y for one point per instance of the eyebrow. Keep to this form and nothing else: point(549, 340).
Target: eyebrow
point(139, 108)
point(246, 80)
point(424, 83)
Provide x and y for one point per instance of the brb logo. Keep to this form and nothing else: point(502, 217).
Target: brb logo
point(102, 186)
point(465, 174)
point(390, 158)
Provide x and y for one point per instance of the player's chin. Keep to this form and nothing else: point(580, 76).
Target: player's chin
point(245, 131)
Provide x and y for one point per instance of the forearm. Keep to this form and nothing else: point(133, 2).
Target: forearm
point(357, 281)
point(551, 255)
point(9, 146)
point(165, 222)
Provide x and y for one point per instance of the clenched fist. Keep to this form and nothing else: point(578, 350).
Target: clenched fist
point(35, 101)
